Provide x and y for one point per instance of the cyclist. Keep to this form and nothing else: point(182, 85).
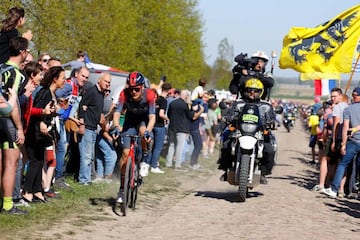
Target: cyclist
point(139, 104)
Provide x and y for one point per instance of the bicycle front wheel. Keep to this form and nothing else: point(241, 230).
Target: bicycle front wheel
point(127, 186)
point(134, 189)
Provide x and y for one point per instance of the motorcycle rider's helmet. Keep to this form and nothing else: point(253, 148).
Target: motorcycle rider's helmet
point(260, 55)
point(135, 79)
point(253, 89)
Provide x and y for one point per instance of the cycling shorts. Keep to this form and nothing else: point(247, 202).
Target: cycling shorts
point(8, 134)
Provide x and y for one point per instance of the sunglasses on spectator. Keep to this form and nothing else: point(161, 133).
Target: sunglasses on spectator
point(136, 89)
point(45, 60)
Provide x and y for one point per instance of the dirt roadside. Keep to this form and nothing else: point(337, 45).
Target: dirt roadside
point(206, 208)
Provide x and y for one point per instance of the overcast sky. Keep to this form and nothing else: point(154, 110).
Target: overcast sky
point(262, 24)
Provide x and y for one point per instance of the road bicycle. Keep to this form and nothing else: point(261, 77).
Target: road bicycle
point(132, 178)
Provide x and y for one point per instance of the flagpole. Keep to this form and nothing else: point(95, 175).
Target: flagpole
point(352, 73)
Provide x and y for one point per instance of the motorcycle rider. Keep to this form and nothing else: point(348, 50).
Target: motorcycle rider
point(255, 66)
point(252, 92)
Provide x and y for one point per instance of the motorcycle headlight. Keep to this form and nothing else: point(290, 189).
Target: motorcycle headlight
point(248, 127)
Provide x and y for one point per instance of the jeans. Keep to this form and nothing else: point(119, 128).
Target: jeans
point(187, 149)
point(159, 136)
point(105, 157)
point(60, 152)
point(196, 137)
point(352, 149)
point(180, 139)
point(87, 152)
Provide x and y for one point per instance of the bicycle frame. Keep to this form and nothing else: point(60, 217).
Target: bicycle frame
point(132, 178)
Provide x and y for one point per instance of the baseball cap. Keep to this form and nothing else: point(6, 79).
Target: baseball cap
point(357, 91)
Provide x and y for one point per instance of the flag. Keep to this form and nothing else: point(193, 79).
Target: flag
point(98, 67)
point(87, 61)
point(325, 50)
point(317, 75)
point(323, 86)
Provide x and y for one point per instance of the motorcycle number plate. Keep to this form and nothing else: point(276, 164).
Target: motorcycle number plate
point(250, 118)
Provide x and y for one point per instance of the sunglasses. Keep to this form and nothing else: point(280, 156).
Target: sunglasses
point(45, 60)
point(136, 89)
point(256, 90)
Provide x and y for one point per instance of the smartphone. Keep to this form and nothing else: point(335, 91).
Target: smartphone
point(163, 78)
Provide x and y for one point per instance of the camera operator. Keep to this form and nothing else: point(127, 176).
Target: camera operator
point(248, 68)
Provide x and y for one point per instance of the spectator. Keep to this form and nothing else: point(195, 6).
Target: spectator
point(325, 154)
point(199, 91)
point(204, 137)
point(43, 60)
point(90, 111)
point(69, 99)
point(179, 127)
point(54, 62)
point(211, 123)
point(43, 130)
point(105, 153)
point(33, 73)
point(350, 145)
point(196, 137)
point(11, 129)
point(340, 102)
point(9, 29)
point(78, 63)
point(159, 128)
point(313, 122)
point(29, 58)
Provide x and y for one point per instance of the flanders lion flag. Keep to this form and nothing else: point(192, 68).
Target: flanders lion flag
point(324, 51)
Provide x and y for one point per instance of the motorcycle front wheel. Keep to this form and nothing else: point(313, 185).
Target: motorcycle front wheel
point(242, 173)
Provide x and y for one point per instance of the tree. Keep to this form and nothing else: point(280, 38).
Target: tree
point(222, 74)
point(156, 37)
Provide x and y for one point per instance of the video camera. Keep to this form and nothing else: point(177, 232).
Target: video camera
point(244, 62)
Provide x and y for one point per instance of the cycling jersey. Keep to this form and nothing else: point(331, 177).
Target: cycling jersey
point(136, 111)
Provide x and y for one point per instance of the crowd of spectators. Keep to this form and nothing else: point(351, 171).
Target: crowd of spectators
point(53, 125)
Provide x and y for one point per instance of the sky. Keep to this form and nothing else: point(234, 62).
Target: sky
point(261, 25)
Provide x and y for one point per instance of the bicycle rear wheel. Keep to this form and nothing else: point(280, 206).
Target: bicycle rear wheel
point(127, 186)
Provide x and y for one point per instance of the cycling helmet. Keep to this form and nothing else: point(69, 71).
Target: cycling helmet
point(135, 79)
point(254, 85)
point(260, 54)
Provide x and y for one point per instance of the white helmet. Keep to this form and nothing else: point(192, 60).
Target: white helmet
point(260, 54)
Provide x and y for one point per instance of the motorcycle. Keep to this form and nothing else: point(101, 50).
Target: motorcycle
point(289, 121)
point(246, 136)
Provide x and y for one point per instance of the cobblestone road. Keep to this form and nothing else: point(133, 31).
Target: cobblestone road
point(283, 209)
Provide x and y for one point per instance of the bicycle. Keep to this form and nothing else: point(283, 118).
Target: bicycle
point(132, 178)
